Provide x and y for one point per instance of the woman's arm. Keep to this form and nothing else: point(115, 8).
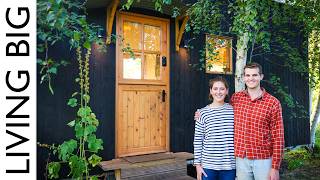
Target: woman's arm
point(200, 171)
point(198, 141)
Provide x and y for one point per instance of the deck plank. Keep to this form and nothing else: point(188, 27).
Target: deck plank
point(162, 166)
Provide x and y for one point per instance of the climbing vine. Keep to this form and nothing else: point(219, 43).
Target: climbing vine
point(65, 21)
point(252, 23)
point(62, 21)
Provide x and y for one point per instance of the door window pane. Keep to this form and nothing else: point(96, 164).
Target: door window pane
point(132, 35)
point(132, 66)
point(152, 38)
point(152, 66)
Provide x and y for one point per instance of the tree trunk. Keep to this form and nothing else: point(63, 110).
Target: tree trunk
point(314, 121)
point(242, 49)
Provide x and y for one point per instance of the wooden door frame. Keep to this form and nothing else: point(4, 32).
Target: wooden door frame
point(118, 24)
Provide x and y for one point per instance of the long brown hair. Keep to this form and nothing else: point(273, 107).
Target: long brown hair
point(218, 79)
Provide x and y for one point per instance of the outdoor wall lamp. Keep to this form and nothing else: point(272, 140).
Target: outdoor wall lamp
point(186, 43)
point(100, 33)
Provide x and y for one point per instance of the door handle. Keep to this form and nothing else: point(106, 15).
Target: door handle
point(164, 61)
point(163, 96)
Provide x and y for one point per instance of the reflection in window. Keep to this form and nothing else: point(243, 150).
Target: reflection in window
point(145, 41)
point(218, 54)
point(132, 34)
point(152, 38)
point(152, 66)
point(131, 66)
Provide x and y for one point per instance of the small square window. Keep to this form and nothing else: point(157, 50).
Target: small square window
point(218, 54)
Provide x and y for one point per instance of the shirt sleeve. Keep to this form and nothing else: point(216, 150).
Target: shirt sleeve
point(232, 99)
point(277, 135)
point(198, 141)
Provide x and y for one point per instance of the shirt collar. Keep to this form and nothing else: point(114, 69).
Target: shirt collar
point(262, 96)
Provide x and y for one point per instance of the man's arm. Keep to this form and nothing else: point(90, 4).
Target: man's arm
point(277, 135)
point(232, 99)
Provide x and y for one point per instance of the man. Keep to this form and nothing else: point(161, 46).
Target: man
point(258, 129)
point(259, 134)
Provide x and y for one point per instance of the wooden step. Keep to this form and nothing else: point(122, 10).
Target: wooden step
point(185, 177)
point(165, 166)
point(165, 177)
point(156, 170)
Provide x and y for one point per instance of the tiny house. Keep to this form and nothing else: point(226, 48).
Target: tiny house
point(146, 104)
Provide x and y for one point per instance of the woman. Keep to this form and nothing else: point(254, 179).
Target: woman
point(213, 138)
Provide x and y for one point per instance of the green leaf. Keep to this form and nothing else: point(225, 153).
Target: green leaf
point(93, 115)
point(82, 21)
point(39, 61)
point(58, 1)
point(168, 2)
point(89, 130)
point(64, 63)
point(61, 21)
point(128, 4)
point(42, 36)
point(74, 94)
point(93, 178)
point(86, 98)
point(94, 144)
point(87, 45)
point(94, 160)
point(79, 130)
point(77, 166)
point(43, 78)
point(94, 121)
point(71, 123)
point(72, 102)
point(66, 149)
point(52, 70)
point(83, 112)
point(53, 170)
point(76, 35)
point(50, 17)
point(40, 48)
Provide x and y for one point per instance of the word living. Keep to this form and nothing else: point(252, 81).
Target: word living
point(14, 49)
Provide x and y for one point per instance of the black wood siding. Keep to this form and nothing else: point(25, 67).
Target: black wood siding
point(188, 92)
point(53, 114)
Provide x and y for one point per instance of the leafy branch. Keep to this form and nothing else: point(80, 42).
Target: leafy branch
point(66, 21)
point(296, 109)
point(58, 21)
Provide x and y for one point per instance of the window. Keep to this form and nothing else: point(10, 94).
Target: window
point(218, 54)
point(145, 41)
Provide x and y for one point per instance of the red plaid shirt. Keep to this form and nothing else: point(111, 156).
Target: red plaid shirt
point(258, 127)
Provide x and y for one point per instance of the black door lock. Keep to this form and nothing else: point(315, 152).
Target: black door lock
point(164, 61)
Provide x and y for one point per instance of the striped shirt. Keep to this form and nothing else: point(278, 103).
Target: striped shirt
point(213, 138)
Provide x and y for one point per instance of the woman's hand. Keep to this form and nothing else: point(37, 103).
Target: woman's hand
point(200, 171)
point(196, 115)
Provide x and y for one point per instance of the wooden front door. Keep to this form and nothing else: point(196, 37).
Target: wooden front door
point(142, 110)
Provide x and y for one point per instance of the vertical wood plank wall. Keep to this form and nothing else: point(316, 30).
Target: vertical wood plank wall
point(188, 90)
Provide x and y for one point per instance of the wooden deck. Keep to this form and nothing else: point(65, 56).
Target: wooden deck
point(162, 166)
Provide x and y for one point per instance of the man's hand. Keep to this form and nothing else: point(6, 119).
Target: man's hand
point(274, 174)
point(200, 171)
point(196, 115)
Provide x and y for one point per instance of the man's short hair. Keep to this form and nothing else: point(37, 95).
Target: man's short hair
point(252, 66)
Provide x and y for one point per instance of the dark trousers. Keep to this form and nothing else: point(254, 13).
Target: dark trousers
point(219, 174)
